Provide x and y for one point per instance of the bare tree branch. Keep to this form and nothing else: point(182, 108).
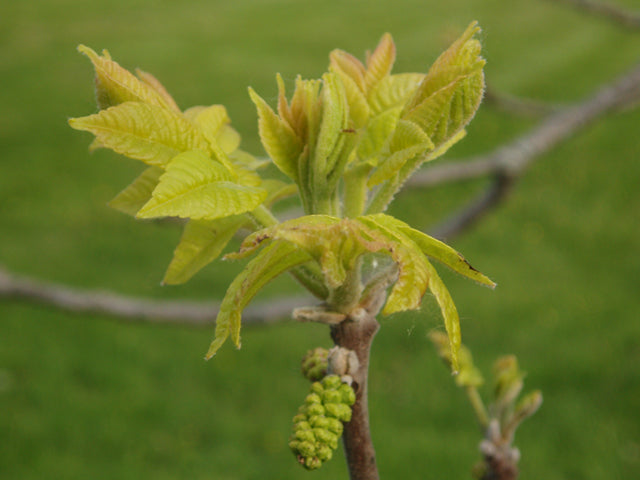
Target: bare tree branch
point(516, 105)
point(477, 208)
point(625, 18)
point(126, 308)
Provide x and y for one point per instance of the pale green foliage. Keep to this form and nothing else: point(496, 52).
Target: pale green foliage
point(143, 131)
point(271, 262)
point(346, 142)
point(194, 186)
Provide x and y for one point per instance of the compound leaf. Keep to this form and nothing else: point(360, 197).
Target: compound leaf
point(275, 259)
point(116, 85)
point(195, 186)
point(435, 249)
point(450, 94)
point(142, 131)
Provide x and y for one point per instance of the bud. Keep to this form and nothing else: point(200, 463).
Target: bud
point(508, 380)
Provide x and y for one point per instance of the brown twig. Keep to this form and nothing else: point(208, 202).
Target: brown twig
point(358, 445)
point(623, 17)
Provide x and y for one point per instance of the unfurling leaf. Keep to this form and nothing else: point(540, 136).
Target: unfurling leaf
point(198, 187)
point(419, 245)
point(393, 91)
point(380, 62)
point(435, 249)
point(214, 125)
point(336, 244)
point(359, 110)
point(278, 138)
point(154, 83)
point(334, 121)
point(450, 94)
point(413, 278)
point(449, 314)
point(376, 135)
point(347, 65)
point(133, 198)
point(143, 132)
point(268, 264)
point(201, 243)
point(116, 85)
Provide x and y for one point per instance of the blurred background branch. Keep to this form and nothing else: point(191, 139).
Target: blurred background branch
point(626, 18)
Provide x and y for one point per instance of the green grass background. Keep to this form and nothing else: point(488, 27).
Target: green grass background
point(89, 397)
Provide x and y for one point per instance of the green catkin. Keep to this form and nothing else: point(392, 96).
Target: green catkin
point(314, 364)
point(319, 423)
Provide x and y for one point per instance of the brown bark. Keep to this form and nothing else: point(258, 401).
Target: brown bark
point(358, 336)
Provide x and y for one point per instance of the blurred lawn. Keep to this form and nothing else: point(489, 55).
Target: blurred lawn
point(84, 397)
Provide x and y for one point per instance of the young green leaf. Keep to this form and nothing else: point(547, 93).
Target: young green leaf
point(214, 124)
point(133, 198)
point(376, 135)
point(413, 280)
point(434, 248)
point(334, 121)
point(450, 94)
point(391, 165)
point(380, 62)
point(116, 85)
point(359, 110)
point(201, 243)
point(154, 83)
point(278, 138)
point(195, 186)
point(449, 313)
point(275, 259)
point(348, 65)
point(143, 132)
point(393, 91)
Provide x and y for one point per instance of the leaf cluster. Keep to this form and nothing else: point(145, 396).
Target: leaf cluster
point(346, 143)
